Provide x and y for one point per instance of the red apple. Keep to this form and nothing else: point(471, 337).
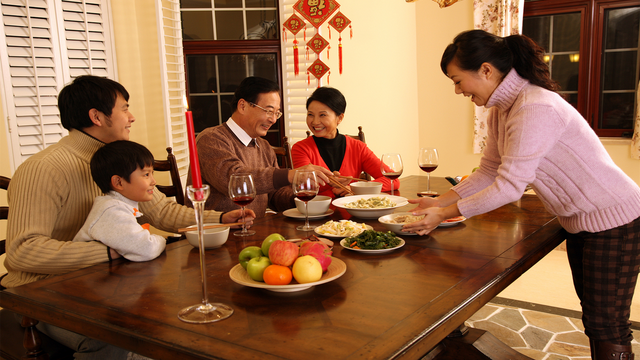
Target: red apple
point(283, 253)
point(318, 250)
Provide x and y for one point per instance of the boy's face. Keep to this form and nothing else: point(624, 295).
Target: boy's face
point(140, 185)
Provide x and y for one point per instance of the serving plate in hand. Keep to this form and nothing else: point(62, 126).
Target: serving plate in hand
point(345, 245)
point(240, 276)
point(453, 221)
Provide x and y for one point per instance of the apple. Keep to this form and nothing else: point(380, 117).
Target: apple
point(249, 253)
point(256, 266)
point(307, 269)
point(266, 243)
point(283, 253)
point(318, 250)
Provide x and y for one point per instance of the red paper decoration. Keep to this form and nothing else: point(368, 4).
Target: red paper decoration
point(316, 11)
point(340, 22)
point(317, 69)
point(294, 24)
point(317, 43)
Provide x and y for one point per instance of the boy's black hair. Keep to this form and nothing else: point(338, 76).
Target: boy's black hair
point(122, 158)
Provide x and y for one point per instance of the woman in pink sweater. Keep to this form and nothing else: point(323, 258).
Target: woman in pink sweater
point(535, 137)
point(332, 150)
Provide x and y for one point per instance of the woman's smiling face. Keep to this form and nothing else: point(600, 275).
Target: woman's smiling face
point(479, 85)
point(322, 121)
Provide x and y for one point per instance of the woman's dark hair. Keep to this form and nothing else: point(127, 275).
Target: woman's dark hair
point(250, 88)
point(120, 157)
point(85, 93)
point(470, 49)
point(331, 97)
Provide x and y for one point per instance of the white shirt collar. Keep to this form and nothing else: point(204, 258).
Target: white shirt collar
point(240, 133)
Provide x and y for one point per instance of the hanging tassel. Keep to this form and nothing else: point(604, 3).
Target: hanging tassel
point(329, 27)
point(284, 33)
point(318, 82)
point(351, 32)
point(307, 52)
point(305, 34)
point(308, 78)
point(296, 66)
point(328, 51)
point(329, 77)
point(340, 54)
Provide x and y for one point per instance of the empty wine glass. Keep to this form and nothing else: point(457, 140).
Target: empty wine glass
point(305, 187)
point(428, 161)
point(391, 167)
point(242, 192)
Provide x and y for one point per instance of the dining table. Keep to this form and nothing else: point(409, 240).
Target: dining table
point(408, 303)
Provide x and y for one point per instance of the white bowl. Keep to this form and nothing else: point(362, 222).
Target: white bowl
point(396, 228)
point(212, 238)
point(366, 187)
point(317, 206)
point(370, 213)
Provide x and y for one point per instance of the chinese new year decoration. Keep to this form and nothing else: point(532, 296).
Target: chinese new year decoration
point(316, 13)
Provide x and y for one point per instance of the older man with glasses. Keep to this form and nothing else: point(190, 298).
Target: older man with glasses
point(237, 146)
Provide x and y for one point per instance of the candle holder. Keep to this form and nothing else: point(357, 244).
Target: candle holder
point(205, 312)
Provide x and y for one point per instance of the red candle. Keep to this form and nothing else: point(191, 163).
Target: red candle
point(196, 179)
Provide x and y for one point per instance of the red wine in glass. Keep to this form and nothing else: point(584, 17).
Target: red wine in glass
point(428, 161)
point(428, 167)
point(391, 167)
point(306, 195)
point(392, 175)
point(243, 200)
point(305, 187)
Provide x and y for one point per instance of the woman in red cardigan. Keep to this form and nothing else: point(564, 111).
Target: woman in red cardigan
point(328, 148)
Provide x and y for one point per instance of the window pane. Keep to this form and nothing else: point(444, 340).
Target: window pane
point(619, 70)
point(263, 65)
point(260, 3)
point(205, 111)
point(228, 4)
point(538, 29)
point(226, 105)
point(190, 4)
point(566, 32)
point(229, 25)
point(622, 28)
point(262, 25)
point(617, 111)
point(565, 71)
point(201, 74)
point(197, 25)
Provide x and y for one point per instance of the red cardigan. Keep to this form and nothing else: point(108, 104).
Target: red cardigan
point(357, 158)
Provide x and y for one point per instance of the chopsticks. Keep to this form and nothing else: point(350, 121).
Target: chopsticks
point(194, 227)
point(351, 178)
point(337, 183)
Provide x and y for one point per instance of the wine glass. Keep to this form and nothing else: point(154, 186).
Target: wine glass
point(205, 312)
point(428, 161)
point(391, 167)
point(242, 192)
point(305, 187)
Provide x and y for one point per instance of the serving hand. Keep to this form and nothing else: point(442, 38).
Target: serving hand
point(434, 213)
point(236, 216)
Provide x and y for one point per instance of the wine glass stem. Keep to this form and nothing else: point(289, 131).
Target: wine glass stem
point(306, 217)
point(244, 226)
point(391, 186)
point(198, 206)
point(428, 181)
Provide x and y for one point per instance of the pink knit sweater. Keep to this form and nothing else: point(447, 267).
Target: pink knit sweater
point(535, 137)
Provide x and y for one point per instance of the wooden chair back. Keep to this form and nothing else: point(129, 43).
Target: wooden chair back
point(170, 165)
point(284, 153)
point(4, 210)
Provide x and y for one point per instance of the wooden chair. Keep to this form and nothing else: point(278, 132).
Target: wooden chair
point(170, 165)
point(360, 136)
point(24, 341)
point(284, 153)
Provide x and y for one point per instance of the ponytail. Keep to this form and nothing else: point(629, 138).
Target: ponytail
point(528, 60)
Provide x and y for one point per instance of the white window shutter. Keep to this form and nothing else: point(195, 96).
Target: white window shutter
point(173, 80)
point(43, 44)
point(295, 89)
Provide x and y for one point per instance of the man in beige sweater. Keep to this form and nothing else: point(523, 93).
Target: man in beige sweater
point(52, 192)
point(237, 146)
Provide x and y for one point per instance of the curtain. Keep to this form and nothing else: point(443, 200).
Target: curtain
point(502, 18)
point(635, 140)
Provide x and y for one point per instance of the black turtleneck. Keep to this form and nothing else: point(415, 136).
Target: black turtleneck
point(332, 150)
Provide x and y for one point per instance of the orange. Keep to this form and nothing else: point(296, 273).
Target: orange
point(277, 275)
point(463, 178)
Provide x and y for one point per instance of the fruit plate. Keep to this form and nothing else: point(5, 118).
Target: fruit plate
point(453, 221)
point(239, 275)
point(345, 245)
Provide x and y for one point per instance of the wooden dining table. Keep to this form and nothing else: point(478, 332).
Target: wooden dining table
point(401, 304)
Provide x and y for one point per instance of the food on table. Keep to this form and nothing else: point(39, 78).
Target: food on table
point(277, 275)
point(371, 203)
point(307, 269)
point(454, 219)
point(341, 228)
point(373, 240)
point(318, 250)
point(256, 267)
point(249, 253)
point(283, 253)
point(405, 219)
point(266, 243)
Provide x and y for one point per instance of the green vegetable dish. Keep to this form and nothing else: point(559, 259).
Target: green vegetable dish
point(373, 240)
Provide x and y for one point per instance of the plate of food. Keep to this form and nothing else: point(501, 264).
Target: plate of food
point(240, 276)
point(452, 221)
point(395, 222)
point(373, 242)
point(341, 229)
point(370, 206)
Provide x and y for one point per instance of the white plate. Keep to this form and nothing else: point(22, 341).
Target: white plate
point(295, 214)
point(240, 276)
point(396, 228)
point(370, 213)
point(368, 227)
point(452, 223)
point(344, 244)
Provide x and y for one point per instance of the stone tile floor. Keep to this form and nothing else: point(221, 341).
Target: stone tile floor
point(536, 334)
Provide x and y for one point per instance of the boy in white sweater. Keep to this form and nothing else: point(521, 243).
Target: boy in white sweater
point(124, 172)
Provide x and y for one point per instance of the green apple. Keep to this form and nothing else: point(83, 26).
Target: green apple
point(266, 243)
point(249, 253)
point(256, 267)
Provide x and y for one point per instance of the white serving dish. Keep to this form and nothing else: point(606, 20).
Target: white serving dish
point(213, 238)
point(370, 213)
point(317, 206)
point(366, 187)
point(396, 228)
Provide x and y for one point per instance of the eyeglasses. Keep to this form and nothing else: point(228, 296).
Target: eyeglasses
point(270, 113)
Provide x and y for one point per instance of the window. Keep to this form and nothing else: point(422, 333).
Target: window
point(598, 74)
point(225, 41)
